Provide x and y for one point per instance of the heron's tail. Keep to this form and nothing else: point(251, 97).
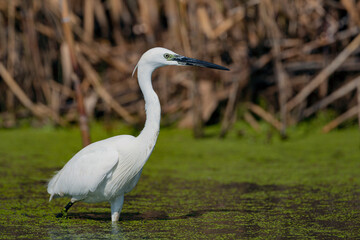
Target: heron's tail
point(51, 189)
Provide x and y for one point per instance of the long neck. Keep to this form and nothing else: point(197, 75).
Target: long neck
point(152, 107)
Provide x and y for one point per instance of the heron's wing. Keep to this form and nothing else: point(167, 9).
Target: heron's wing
point(83, 173)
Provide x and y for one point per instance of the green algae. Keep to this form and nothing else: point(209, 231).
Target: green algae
point(239, 187)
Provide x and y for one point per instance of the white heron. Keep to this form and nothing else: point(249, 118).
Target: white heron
point(107, 169)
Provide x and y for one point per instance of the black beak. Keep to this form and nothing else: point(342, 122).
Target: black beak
point(194, 62)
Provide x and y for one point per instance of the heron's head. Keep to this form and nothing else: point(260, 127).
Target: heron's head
point(158, 57)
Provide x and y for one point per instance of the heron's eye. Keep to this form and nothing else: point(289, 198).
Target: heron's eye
point(167, 56)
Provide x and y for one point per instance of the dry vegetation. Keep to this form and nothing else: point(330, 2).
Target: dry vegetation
point(61, 61)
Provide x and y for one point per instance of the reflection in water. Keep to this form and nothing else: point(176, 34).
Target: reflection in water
point(117, 230)
point(86, 231)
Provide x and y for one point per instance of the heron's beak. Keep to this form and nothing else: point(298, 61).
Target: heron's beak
point(194, 62)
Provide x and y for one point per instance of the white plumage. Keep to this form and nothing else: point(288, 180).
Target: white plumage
point(107, 169)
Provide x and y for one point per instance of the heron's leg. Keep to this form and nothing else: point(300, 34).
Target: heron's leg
point(65, 209)
point(116, 206)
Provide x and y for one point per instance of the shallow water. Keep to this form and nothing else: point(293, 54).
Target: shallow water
point(194, 210)
point(259, 190)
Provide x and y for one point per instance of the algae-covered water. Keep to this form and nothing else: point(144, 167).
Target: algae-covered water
point(244, 186)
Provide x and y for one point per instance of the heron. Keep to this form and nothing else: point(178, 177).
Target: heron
point(106, 170)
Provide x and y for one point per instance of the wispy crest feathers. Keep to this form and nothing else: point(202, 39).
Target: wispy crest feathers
point(132, 75)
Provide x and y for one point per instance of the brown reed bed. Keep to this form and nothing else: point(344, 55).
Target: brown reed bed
point(60, 61)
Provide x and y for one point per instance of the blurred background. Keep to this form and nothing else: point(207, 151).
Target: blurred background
point(64, 62)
